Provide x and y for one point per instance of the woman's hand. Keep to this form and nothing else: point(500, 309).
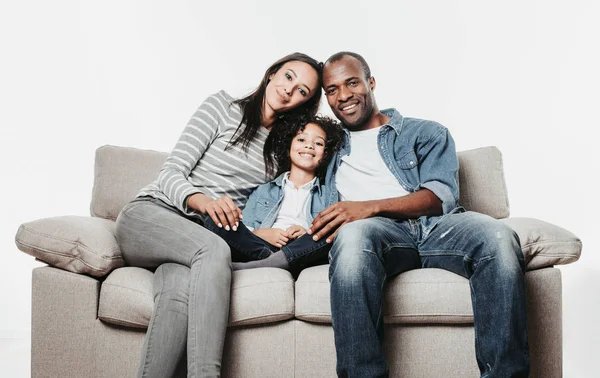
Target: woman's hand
point(221, 210)
point(273, 236)
point(295, 231)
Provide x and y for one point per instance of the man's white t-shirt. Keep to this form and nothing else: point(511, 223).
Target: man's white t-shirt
point(363, 175)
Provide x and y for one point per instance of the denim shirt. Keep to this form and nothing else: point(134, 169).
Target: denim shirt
point(420, 154)
point(265, 202)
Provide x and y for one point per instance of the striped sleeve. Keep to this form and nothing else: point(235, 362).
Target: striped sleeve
point(200, 132)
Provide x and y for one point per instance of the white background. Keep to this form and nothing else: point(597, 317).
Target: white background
point(521, 75)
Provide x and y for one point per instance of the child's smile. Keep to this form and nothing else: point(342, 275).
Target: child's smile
point(308, 147)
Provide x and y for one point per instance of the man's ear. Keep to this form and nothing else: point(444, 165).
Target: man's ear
point(372, 84)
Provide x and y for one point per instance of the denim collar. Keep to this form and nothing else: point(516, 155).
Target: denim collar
point(396, 121)
point(279, 181)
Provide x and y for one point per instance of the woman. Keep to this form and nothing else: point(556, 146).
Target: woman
point(215, 165)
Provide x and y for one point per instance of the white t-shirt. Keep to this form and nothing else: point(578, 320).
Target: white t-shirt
point(363, 175)
point(293, 207)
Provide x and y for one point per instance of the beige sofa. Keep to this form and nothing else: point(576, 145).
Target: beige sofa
point(89, 312)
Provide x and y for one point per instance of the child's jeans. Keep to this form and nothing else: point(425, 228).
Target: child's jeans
point(245, 246)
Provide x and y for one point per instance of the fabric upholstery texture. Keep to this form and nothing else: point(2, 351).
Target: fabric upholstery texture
point(422, 296)
point(544, 244)
point(78, 244)
point(119, 173)
point(481, 182)
point(126, 297)
point(68, 340)
point(258, 296)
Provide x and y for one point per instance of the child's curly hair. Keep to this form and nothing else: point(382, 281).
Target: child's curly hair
point(285, 130)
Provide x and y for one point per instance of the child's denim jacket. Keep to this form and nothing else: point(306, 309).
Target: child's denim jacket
point(264, 203)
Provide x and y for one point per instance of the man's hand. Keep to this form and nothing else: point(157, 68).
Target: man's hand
point(273, 236)
point(295, 231)
point(335, 216)
point(221, 210)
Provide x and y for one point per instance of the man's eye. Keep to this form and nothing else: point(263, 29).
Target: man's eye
point(353, 83)
point(330, 91)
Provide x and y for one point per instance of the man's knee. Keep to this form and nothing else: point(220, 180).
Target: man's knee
point(359, 234)
point(355, 252)
point(503, 246)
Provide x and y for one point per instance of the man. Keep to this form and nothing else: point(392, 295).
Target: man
point(411, 169)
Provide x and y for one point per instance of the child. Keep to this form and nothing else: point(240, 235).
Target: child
point(277, 214)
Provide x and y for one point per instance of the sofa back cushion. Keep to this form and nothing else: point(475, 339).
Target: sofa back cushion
point(120, 172)
point(481, 180)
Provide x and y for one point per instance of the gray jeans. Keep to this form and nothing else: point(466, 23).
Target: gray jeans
point(190, 259)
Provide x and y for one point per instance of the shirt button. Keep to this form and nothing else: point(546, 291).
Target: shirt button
point(412, 162)
point(390, 166)
point(382, 146)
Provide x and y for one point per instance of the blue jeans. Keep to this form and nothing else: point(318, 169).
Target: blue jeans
point(245, 246)
point(473, 245)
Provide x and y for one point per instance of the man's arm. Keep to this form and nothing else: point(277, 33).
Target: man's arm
point(414, 205)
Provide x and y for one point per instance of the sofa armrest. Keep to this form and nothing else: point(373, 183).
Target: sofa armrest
point(78, 244)
point(544, 244)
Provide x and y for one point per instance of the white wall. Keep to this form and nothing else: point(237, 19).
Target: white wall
point(521, 75)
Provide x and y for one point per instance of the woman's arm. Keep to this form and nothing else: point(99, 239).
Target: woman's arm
point(199, 133)
point(197, 136)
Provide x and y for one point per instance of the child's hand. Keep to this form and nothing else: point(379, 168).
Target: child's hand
point(273, 236)
point(295, 232)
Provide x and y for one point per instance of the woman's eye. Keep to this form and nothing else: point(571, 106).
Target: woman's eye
point(302, 92)
point(300, 139)
point(288, 76)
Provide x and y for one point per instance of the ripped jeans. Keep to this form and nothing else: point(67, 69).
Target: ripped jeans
point(473, 245)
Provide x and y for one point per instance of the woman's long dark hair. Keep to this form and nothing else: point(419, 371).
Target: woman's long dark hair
point(281, 137)
point(252, 104)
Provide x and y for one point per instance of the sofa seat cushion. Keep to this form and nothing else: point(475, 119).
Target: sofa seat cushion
point(258, 296)
point(421, 296)
point(126, 297)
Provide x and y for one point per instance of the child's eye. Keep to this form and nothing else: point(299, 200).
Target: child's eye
point(320, 144)
point(300, 139)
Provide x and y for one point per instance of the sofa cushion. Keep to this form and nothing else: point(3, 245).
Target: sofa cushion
point(258, 296)
point(126, 297)
point(77, 244)
point(423, 296)
point(544, 244)
point(481, 180)
point(119, 173)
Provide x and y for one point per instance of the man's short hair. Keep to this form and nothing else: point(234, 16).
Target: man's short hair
point(338, 56)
